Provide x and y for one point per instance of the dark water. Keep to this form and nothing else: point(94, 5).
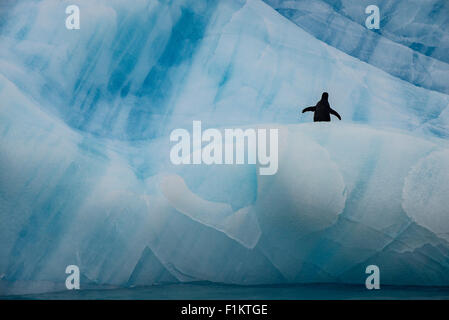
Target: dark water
point(225, 292)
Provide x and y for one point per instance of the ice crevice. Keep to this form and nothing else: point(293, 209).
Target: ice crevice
point(240, 225)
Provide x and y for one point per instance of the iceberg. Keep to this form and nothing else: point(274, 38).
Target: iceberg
point(86, 179)
point(411, 43)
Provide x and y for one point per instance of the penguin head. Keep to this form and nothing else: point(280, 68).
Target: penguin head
point(324, 96)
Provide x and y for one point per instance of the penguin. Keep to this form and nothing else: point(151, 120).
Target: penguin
point(322, 110)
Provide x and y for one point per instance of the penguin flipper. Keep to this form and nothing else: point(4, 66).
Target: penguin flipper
point(335, 113)
point(309, 109)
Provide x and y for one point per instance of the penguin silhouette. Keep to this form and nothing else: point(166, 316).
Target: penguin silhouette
point(322, 110)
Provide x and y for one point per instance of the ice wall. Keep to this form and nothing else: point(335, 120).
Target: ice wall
point(85, 176)
point(137, 72)
point(411, 43)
